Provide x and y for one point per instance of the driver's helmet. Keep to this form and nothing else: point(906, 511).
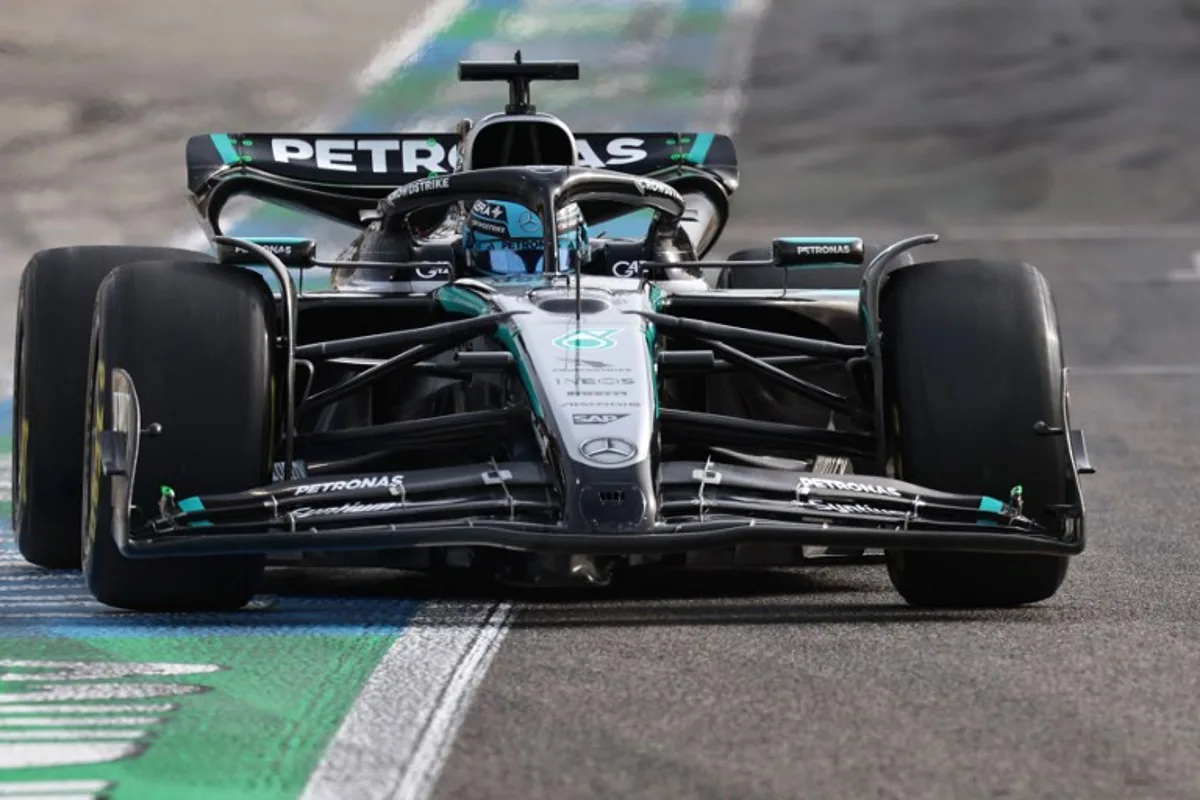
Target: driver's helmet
point(504, 238)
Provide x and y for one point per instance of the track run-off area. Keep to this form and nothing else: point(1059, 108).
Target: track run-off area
point(1060, 133)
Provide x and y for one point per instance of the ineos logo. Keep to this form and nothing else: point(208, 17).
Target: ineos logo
point(608, 451)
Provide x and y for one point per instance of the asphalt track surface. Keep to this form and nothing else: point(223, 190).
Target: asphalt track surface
point(875, 115)
point(914, 115)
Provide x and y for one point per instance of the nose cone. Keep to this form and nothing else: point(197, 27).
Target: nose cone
point(591, 363)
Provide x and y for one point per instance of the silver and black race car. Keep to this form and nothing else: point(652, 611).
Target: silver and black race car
point(181, 418)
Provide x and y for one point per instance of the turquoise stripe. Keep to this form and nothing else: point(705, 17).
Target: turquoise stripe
point(700, 148)
point(991, 505)
point(225, 148)
point(191, 505)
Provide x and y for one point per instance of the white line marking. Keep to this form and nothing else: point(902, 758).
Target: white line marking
point(55, 796)
point(8, 789)
point(71, 735)
point(89, 708)
point(26, 755)
point(75, 600)
point(28, 572)
point(394, 739)
point(23, 591)
point(24, 615)
point(406, 44)
point(26, 587)
point(1190, 274)
point(434, 747)
point(73, 722)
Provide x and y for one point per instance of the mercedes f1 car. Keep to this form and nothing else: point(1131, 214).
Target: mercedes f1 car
point(181, 418)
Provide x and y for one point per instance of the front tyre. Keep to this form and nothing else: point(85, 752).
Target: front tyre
point(197, 341)
point(54, 325)
point(972, 361)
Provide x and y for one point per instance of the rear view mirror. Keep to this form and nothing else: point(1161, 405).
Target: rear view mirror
point(807, 251)
point(293, 252)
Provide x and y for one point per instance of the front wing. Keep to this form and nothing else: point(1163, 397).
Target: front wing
point(515, 506)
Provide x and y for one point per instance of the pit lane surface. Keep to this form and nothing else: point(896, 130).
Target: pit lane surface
point(1010, 123)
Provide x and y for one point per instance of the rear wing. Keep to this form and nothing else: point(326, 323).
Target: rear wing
point(341, 175)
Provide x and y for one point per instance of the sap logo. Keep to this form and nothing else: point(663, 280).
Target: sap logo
point(596, 419)
point(623, 150)
point(415, 155)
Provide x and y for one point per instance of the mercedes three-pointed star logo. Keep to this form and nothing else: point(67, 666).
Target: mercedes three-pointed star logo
point(608, 451)
point(529, 222)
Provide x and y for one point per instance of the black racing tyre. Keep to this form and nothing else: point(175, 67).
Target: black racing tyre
point(843, 277)
point(971, 362)
point(197, 341)
point(54, 325)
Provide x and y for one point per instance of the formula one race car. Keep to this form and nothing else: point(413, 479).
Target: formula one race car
point(549, 412)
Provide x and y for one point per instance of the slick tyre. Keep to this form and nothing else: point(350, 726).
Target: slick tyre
point(197, 342)
point(54, 324)
point(971, 362)
point(832, 277)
